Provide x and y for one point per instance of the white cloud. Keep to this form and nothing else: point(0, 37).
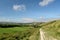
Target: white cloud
point(21, 20)
point(27, 20)
point(19, 7)
point(45, 2)
point(4, 19)
point(41, 17)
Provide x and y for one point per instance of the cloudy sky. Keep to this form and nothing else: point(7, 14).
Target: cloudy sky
point(29, 10)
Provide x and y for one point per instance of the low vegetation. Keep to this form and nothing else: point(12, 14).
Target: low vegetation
point(52, 29)
point(18, 31)
point(29, 31)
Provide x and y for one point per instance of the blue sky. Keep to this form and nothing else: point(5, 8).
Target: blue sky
point(29, 10)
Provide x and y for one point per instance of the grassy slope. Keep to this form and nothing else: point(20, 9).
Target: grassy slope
point(52, 29)
point(35, 35)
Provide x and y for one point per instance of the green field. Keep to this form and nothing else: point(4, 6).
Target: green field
point(13, 30)
point(18, 33)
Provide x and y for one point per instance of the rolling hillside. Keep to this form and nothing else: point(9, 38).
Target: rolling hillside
point(51, 30)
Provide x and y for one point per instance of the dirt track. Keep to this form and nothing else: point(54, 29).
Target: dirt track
point(44, 36)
